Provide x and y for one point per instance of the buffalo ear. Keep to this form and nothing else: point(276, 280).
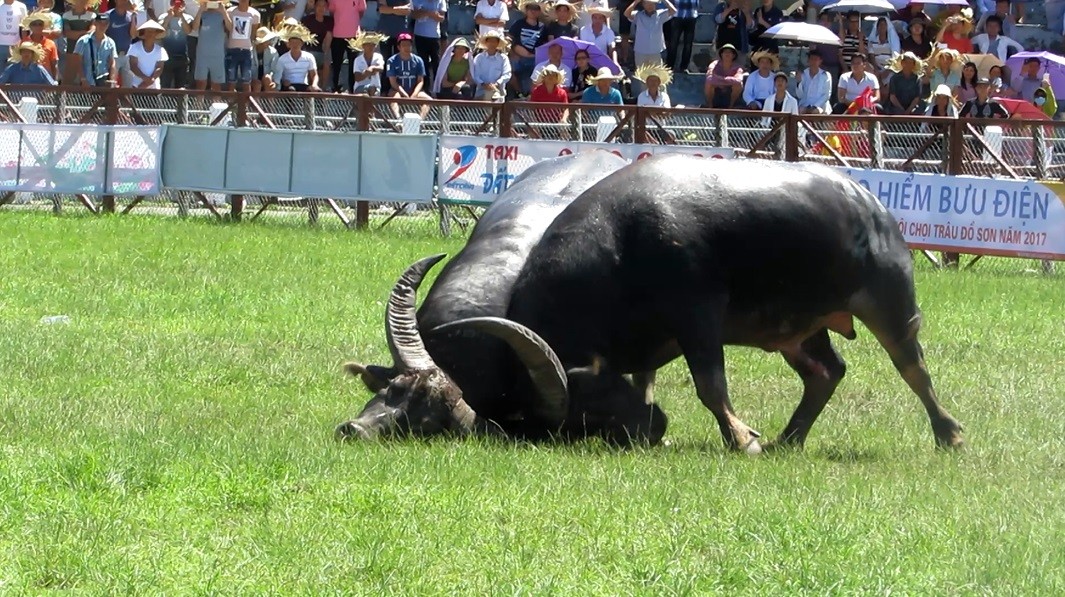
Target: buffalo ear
point(598, 364)
point(374, 377)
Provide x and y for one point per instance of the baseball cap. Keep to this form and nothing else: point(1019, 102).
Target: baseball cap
point(983, 81)
point(404, 36)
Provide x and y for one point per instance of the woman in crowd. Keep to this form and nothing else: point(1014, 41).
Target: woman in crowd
point(967, 84)
point(265, 59)
point(882, 43)
point(724, 79)
point(781, 101)
point(999, 86)
point(582, 71)
point(454, 78)
point(547, 88)
point(946, 69)
point(955, 34)
point(918, 42)
point(1044, 100)
point(942, 103)
point(655, 77)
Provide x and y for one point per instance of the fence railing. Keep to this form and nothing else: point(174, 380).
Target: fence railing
point(1016, 149)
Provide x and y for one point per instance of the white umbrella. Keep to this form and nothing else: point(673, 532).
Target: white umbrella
point(805, 32)
point(862, 6)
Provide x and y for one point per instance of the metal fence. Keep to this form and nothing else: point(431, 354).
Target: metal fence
point(1018, 149)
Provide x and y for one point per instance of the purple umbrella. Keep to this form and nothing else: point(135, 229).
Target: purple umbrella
point(1048, 63)
point(596, 57)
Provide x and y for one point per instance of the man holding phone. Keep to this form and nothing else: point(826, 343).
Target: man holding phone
point(245, 22)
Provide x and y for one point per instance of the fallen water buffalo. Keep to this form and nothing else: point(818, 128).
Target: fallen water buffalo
point(680, 255)
point(459, 380)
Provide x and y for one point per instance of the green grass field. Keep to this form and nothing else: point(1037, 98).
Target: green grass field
point(176, 437)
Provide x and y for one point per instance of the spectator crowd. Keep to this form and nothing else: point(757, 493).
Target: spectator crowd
point(903, 63)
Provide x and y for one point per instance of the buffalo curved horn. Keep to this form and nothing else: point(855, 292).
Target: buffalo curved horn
point(543, 364)
point(401, 320)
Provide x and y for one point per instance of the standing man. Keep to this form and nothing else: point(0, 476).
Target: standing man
point(347, 22)
point(77, 22)
point(765, 16)
point(178, 25)
point(814, 86)
point(732, 18)
point(245, 21)
point(649, 42)
point(11, 14)
point(212, 24)
point(682, 35)
point(120, 29)
point(394, 19)
point(37, 23)
point(428, 14)
point(96, 53)
point(491, 15)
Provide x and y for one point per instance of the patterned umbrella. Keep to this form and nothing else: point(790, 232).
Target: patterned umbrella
point(569, 45)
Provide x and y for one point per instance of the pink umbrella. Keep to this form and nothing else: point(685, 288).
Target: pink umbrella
point(596, 58)
point(1021, 109)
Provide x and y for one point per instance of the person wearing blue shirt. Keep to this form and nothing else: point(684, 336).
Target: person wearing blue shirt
point(119, 29)
point(428, 14)
point(27, 71)
point(603, 91)
point(97, 52)
point(682, 35)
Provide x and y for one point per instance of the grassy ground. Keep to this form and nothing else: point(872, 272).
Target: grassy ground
point(176, 436)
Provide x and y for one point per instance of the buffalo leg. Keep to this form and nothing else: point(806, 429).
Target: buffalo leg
point(644, 382)
point(821, 369)
point(908, 358)
point(705, 355)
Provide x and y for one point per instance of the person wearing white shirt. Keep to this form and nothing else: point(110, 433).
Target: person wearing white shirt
point(491, 15)
point(297, 70)
point(11, 14)
point(814, 86)
point(598, 31)
point(146, 57)
point(554, 56)
point(491, 69)
point(781, 101)
point(590, 7)
point(853, 84)
point(759, 84)
point(993, 43)
point(369, 64)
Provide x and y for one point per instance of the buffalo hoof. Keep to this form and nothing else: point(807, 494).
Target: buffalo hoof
point(753, 448)
point(948, 435)
point(351, 430)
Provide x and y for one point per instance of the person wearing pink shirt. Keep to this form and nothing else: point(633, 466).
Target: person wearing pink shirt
point(347, 18)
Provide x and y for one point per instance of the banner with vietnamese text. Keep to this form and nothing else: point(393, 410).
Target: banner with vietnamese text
point(1012, 218)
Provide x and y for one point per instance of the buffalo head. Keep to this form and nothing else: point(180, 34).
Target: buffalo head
point(415, 396)
point(586, 401)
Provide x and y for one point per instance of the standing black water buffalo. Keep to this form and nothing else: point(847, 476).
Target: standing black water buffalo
point(439, 379)
point(679, 255)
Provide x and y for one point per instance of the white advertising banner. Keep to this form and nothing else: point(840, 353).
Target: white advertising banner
point(81, 158)
point(988, 216)
point(477, 169)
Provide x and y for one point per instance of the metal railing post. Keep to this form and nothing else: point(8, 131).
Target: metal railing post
point(876, 145)
point(111, 113)
point(362, 208)
point(236, 202)
point(791, 138)
point(722, 130)
point(956, 145)
point(1039, 151)
point(309, 113)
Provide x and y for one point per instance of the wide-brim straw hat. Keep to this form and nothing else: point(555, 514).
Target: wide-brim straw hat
point(954, 55)
point(654, 70)
point(366, 37)
point(151, 25)
point(757, 57)
point(297, 31)
point(493, 34)
point(964, 20)
point(895, 63)
point(550, 69)
point(603, 74)
point(264, 35)
point(16, 51)
point(44, 17)
point(603, 11)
